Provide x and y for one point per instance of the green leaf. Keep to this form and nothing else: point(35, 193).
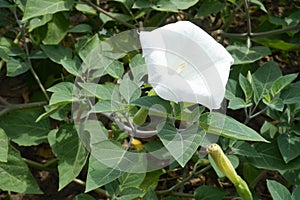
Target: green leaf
point(205, 192)
point(288, 146)
point(165, 5)
point(71, 153)
point(296, 193)
point(226, 126)
point(104, 18)
point(270, 158)
point(131, 180)
point(43, 7)
point(8, 48)
point(57, 29)
point(57, 53)
point(277, 43)
point(138, 68)
point(244, 149)
point(238, 103)
point(16, 67)
point(3, 146)
point(149, 102)
point(39, 21)
point(115, 69)
point(72, 66)
point(244, 55)
point(291, 94)
point(83, 197)
point(81, 28)
point(209, 7)
point(85, 8)
point(150, 195)
point(246, 87)
point(268, 130)
point(129, 90)
point(263, 78)
point(106, 106)
point(278, 191)
point(282, 82)
point(182, 145)
point(15, 175)
point(20, 127)
point(62, 93)
point(129, 193)
point(276, 104)
point(99, 174)
point(260, 5)
point(233, 90)
point(103, 92)
point(150, 182)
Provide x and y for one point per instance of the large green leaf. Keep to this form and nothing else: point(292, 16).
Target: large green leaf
point(270, 158)
point(129, 90)
point(138, 68)
point(57, 53)
point(131, 180)
point(149, 102)
point(282, 82)
point(43, 7)
point(39, 21)
point(62, 93)
point(263, 79)
point(244, 55)
point(15, 175)
point(210, 6)
point(278, 191)
point(8, 48)
point(70, 152)
point(291, 94)
point(226, 126)
point(3, 146)
point(182, 145)
point(100, 91)
point(57, 28)
point(289, 146)
point(16, 67)
point(20, 127)
point(99, 174)
point(205, 192)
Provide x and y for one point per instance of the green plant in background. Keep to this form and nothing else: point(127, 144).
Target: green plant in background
point(49, 41)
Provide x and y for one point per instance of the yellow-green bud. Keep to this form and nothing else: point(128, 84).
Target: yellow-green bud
point(225, 166)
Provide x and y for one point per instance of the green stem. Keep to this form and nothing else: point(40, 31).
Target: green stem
point(109, 15)
point(23, 29)
point(178, 185)
point(260, 34)
point(99, 191)
point(255, 181)
point(46, 166)
point(249, 29)
point(11, 107)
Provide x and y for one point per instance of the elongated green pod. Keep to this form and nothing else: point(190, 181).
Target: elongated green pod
point(225, 166)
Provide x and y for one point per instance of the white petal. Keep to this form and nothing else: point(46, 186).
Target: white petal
point(186, 64)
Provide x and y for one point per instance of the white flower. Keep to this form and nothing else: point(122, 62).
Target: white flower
point(185, 64)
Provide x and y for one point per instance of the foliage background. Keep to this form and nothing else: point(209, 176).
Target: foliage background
point(42, 44)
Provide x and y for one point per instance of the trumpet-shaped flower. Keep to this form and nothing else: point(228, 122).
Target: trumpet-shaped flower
point(185, 64)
